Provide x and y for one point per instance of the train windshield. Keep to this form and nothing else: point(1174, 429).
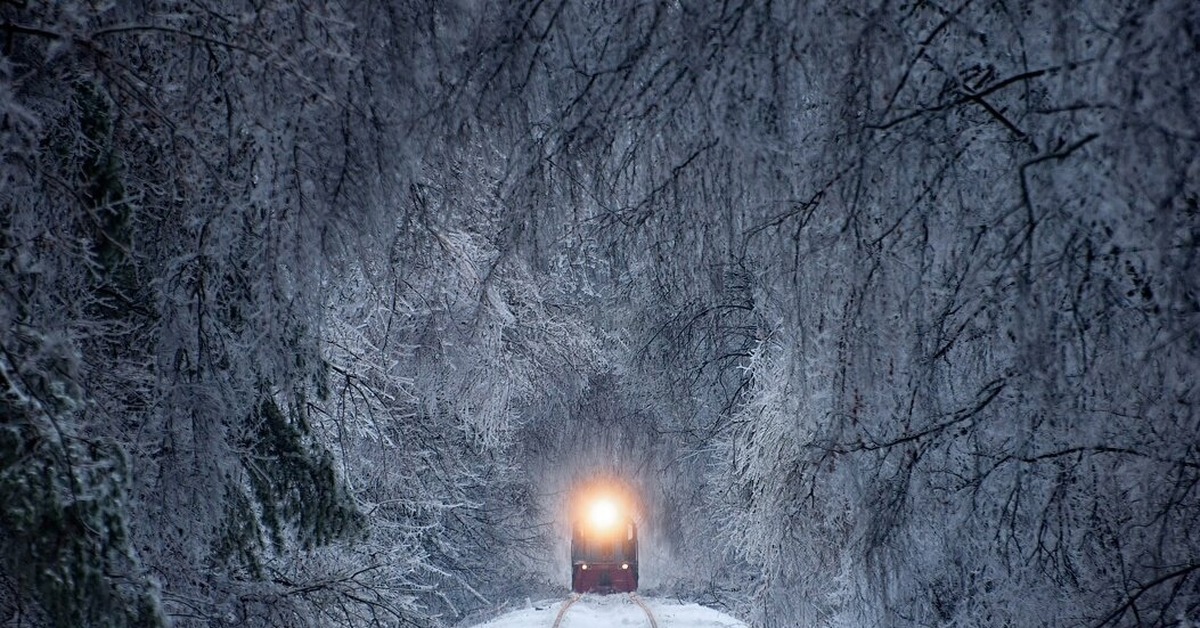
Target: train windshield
point(619, 545)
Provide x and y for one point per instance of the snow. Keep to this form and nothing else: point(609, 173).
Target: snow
point(613, 611)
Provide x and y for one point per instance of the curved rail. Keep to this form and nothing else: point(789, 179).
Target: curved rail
point(562, 612)
point(633, 597)
point(637, 599)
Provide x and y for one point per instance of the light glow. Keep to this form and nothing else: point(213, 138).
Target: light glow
point(603, 514)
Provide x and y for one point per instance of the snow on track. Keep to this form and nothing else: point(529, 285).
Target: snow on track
point(562, 610)
point(637, 599)
point(614, 611)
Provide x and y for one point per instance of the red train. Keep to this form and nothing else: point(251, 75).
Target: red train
point(604, 548)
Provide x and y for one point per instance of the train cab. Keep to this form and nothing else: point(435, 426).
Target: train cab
point(604, 549)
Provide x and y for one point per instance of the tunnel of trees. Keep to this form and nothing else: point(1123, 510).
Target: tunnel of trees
point(312, 313)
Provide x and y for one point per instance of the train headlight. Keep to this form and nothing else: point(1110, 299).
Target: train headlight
point(583, 566)
point(603, 514)
point(624, 565)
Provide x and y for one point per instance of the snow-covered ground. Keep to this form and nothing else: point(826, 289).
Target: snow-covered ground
point(612, 611)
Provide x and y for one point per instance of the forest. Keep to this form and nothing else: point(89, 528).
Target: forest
point(313, 314)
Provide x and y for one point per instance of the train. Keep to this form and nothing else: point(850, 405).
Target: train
point(604, 547)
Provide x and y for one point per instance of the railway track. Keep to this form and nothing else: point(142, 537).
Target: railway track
point(562, 612)
point(633, 597)
point(637, 599)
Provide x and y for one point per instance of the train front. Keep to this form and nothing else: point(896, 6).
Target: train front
point(604, 547)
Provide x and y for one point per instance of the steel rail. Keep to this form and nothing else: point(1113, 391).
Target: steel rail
point(562, 612)
point(637, 599)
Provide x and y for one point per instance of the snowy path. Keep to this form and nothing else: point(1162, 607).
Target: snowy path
point(615, 611)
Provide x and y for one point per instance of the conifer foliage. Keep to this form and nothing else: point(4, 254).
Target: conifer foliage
point(313, 313)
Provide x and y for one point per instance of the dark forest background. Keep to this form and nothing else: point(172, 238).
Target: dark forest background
point(313, 313)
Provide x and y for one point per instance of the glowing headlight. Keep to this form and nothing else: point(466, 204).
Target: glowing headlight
point(603, 514)
point(584, 566)
point(624, 565)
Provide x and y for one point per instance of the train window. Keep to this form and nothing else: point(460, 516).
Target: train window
point(607, 549)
